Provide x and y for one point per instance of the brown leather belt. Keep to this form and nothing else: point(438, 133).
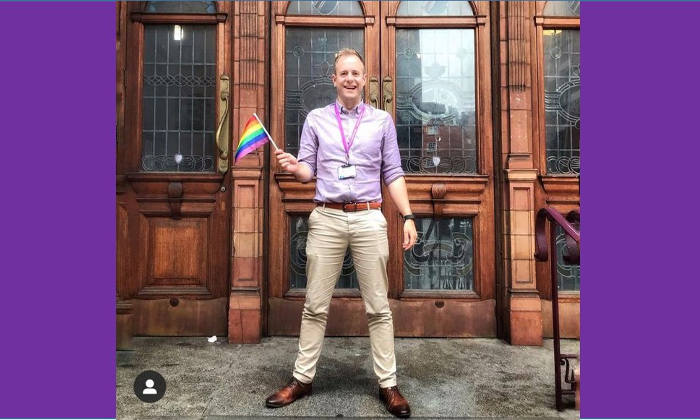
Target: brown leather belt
point(369, 205)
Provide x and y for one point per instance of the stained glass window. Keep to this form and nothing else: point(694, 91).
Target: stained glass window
point(443, 256)
point(180, 7)
point(309, 58)
point(562, 86)
point(325, 8)
point(179, 83)
point(562, 8)
point(434, 8)
point(299, 229)
point(568, 276)
point(436, 100)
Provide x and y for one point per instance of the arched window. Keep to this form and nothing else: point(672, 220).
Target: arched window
point(188, 7)
point(562, 8)
point(434, 8)
point(325, 8)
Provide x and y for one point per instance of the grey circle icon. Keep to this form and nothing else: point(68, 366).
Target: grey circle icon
point(149, 386)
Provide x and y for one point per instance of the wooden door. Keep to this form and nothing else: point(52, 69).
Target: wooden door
point(428, 65)
point(173, 196)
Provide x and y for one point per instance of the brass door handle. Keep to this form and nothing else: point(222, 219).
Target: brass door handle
point(388, 95)
point(222, 128)
point(374, 91)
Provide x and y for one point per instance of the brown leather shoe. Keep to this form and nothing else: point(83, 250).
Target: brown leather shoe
point(288, 394)
point(394, 401)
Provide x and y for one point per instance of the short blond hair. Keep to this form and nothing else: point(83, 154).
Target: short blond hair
point(348, 51)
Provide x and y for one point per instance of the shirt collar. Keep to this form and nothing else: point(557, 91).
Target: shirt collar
point(356, 110)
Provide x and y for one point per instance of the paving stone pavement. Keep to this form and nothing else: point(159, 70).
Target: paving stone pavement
point(440, 378)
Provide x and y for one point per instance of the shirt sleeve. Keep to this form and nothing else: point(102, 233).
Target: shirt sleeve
point(391, 158)
point(308, 145)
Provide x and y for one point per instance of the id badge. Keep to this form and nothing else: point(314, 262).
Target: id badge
point(346, 171)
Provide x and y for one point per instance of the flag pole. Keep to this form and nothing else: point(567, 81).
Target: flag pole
point(265, 130)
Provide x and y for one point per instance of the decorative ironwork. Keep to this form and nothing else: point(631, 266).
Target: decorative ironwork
point(434, 8)
point(180, 7)
point(168, 163)
point(562, 8)
point(436, 100)
point(568, 276)
point(299, 230)
point(310, 54)
point(179, 84)
point(542, 253)
point(325, 8)
point(443, 256)
point(562, 86)
point(179, 80)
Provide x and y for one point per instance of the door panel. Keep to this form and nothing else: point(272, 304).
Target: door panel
point(437, 55)
point(172, 169)
point(304, 42)
point(430, 70)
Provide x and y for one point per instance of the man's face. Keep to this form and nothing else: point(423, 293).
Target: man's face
point(349, 78)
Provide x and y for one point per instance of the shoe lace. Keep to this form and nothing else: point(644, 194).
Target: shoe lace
point(392, 393)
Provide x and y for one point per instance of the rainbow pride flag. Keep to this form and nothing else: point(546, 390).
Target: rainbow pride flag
point(254, 135)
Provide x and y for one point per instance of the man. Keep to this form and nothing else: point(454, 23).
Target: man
point(348, 146)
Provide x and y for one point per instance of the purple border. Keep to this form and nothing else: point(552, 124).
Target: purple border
point(58, 210)
point(640, 107)
point(640, 152)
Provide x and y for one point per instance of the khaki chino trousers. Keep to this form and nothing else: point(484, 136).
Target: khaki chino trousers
point(331, 232)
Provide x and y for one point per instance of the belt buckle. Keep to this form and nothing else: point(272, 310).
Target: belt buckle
point(350, 209)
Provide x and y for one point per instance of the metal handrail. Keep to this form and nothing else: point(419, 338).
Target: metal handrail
point(573, 245)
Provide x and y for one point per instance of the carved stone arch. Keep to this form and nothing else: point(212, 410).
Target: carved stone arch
point(473, 5)
point(539, 7)
point(286, 5)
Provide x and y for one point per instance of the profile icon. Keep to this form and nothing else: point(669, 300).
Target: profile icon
point(149, 390)
point(149, 386)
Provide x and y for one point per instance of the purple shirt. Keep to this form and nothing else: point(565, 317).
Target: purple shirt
point(374, 152)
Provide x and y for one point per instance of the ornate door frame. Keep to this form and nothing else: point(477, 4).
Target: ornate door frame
point(416, 313)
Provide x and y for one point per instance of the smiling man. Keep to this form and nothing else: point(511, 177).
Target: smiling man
point(350, 147)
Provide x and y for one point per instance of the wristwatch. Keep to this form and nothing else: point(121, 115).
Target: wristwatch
point(408, 217)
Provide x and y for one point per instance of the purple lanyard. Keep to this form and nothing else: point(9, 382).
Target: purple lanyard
point(348, 144)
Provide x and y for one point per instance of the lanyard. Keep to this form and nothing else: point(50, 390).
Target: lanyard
point(347, 144)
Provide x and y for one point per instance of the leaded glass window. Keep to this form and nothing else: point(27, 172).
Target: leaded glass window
point(562, 8)
point(436, 100)
point(179, 83)
point(180, 7)
point(309, 58)
point(443, 256)
point(299, 229)
point(562, 85)
point(325, 8)
point(434, 8)
point(568, 276)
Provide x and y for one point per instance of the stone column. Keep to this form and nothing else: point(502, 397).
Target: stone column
point(522, 309)
point(248, 94)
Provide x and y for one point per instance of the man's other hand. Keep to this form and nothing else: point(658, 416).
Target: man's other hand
point(409, 234)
